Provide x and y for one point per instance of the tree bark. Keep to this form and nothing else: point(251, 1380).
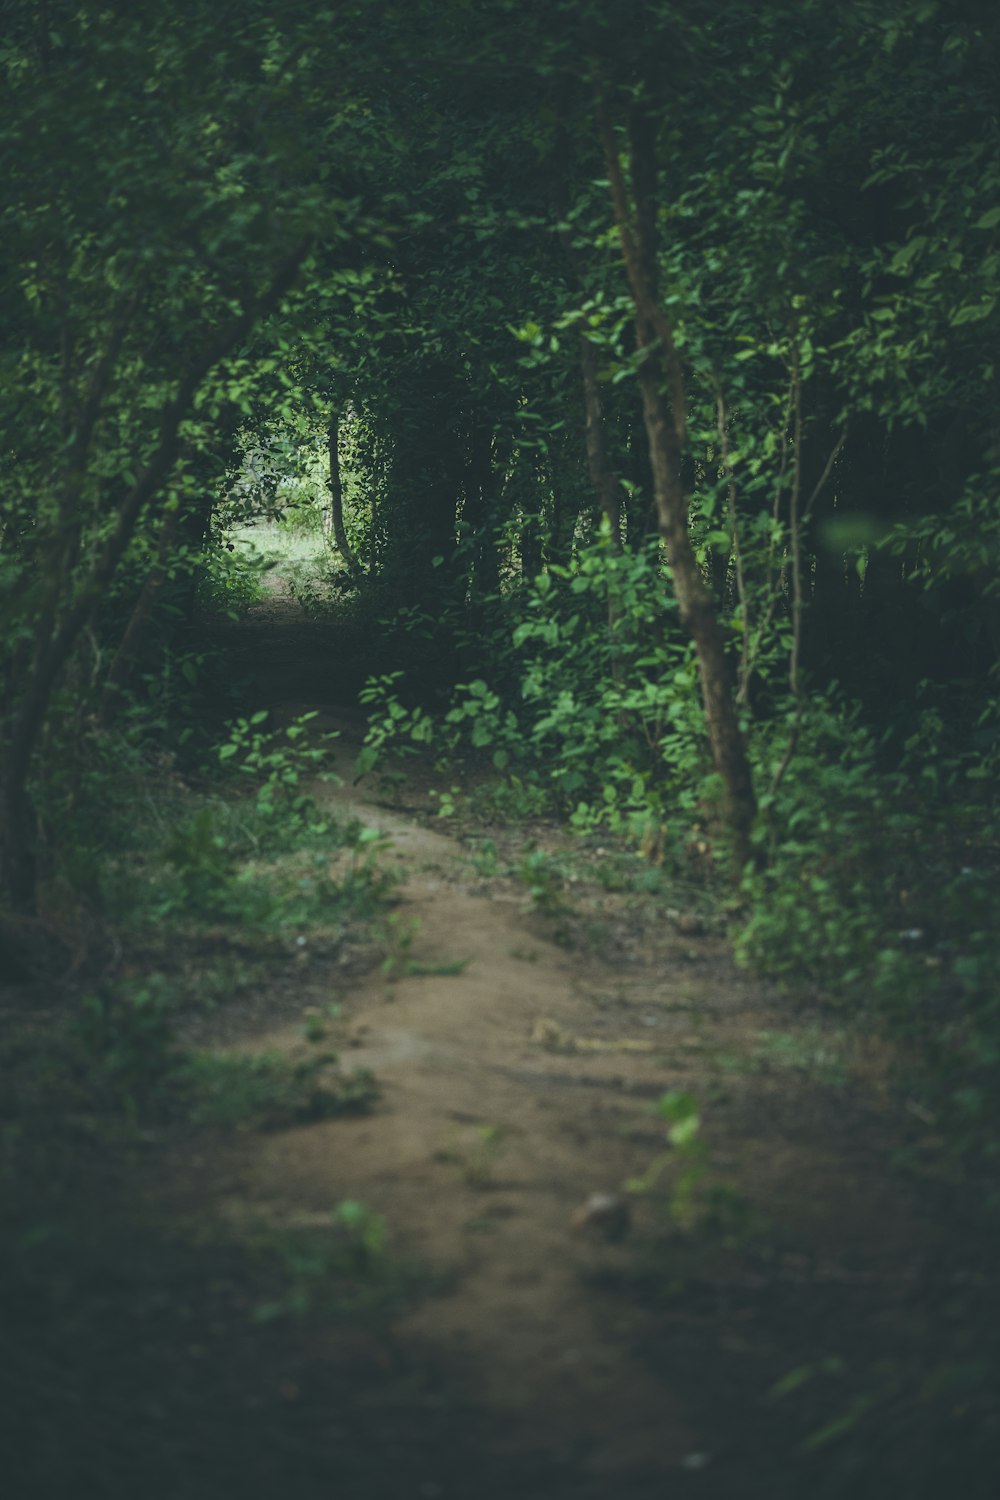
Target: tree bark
point(662, 388)
point(336, 512)
point(602, 476)
point(486, 471)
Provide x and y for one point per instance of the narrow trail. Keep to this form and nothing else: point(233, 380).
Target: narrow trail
point(481, 1148)
point(518, 1067)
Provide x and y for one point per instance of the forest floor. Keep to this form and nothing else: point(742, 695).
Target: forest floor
point(762, 1308)
point(524, 1026)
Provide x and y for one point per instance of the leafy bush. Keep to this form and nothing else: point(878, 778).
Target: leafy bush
point(229, 579)
point(279, 761)
point(127, 1033)
point(879, 889)
point(592, 719)
point(819, 903)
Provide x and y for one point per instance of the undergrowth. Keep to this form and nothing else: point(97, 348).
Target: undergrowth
point(178, 895)
point(879, 847)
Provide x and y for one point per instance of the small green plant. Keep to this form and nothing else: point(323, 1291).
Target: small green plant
point(541, 873)
point(680, 1111)
point(229, 579)
point(204, 864)
point(477, 1153)
point(270, 1090)
point(127, 1032)
point(695, 1201)
point(216, 874)
point(392, 727)
point(314, 1028)
point(279, 761)
point(398, 935)
point(484, 859)
point(449, 802)
point(813, 1053)
point(510, 798)
point(339, 1266)
point(366, 1228)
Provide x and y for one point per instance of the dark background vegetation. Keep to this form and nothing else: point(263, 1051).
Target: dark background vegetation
point(655, 349)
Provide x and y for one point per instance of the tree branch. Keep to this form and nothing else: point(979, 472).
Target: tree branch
point(19, 874)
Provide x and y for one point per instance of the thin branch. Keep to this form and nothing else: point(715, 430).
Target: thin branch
point(790, 748)
point(721, 416)
point(827, 468)
point(128, 647)
point(634, 254)
point(796, 518)
point(795, 530)
point(97, 386)
point(56, 650)
point(337, 498)
point(779, 486)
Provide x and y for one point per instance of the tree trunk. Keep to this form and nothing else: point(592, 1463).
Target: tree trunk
point(608, 491)
point(602, 476)
point(486, 471)
point(336, 511)
point(69, 616)
point(661, 383)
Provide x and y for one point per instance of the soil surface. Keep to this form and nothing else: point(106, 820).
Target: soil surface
point(556, 1344)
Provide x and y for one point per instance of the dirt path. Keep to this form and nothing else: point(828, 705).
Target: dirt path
point(494, 1125)
point(520, 1059)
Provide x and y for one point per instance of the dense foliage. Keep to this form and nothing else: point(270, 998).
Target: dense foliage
point(637, 361)
point(643, 363)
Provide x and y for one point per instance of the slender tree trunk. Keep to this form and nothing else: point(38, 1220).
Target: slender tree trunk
point(486, 470)
point(531, 547)
point(603, 479)
point(661, 384)
point(608, 491)
point(607, 488)
point(602, 476)
point(336, 511)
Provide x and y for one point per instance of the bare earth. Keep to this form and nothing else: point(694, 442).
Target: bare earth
point(520, 1057)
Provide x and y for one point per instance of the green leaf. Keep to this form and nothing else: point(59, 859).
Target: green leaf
point(366, 761)
point(793, 1381)
point(973, 312)
point(838, 1427)
point(902, 257)
point(684, 1132)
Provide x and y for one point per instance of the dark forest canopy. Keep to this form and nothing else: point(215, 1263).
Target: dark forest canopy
point(631, 369)
point(707, 294)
